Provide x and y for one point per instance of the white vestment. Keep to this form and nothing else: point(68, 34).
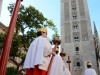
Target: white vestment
point(90, 71)
point(58, 67)
point(38, 53)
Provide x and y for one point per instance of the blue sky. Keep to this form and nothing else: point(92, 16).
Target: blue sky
point(51, 10)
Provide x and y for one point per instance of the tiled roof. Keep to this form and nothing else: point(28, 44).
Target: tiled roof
point(3, 26)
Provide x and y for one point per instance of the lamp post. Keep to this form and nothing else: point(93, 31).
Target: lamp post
point(8, 41)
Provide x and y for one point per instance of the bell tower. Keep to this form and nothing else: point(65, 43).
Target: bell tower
point(76, 35)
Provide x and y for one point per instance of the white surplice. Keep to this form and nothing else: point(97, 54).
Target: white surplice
point(58, 67)
point(38, 53)
point(90, 71)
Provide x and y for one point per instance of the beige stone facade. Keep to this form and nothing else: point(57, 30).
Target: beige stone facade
point(3, 29)
point(76, 35)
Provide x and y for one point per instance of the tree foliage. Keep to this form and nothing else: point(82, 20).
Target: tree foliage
point(55, 35)
point(28, 21)
point(11, 71)
point(2, 38)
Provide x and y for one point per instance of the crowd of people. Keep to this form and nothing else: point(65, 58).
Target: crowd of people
point(38, 58)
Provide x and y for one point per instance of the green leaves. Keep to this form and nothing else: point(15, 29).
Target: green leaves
point(28, 21)
point(30, 18)
point(55, 34)
point(16, 45)
point(11, 71)
point(2, 38)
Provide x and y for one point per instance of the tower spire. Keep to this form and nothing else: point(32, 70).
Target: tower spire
point(95, 29)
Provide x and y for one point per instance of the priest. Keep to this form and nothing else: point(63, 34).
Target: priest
point(58, 67)
point(37, 58)
point(89, 71)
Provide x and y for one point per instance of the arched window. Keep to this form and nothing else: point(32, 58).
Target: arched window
point(75, 26)
point(74, 15)
point(78, 64)
point(77, 48)
point(76, 38)
point(74, 8)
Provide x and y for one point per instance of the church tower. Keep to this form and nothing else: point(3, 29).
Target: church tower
point(76, 35)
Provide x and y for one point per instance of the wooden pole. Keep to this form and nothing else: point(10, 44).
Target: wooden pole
point(49, 67)
point(69, 62)
point(8, 41)
point(62, 55)
point(56, 41)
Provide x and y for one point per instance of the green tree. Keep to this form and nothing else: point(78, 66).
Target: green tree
point(28, 21)
point(55, 35)
point(11, 71)
point(2, 38)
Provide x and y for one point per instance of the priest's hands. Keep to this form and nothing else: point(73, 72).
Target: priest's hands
point(54, 53)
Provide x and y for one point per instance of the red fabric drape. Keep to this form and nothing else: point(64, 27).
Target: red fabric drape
point(35, 71)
